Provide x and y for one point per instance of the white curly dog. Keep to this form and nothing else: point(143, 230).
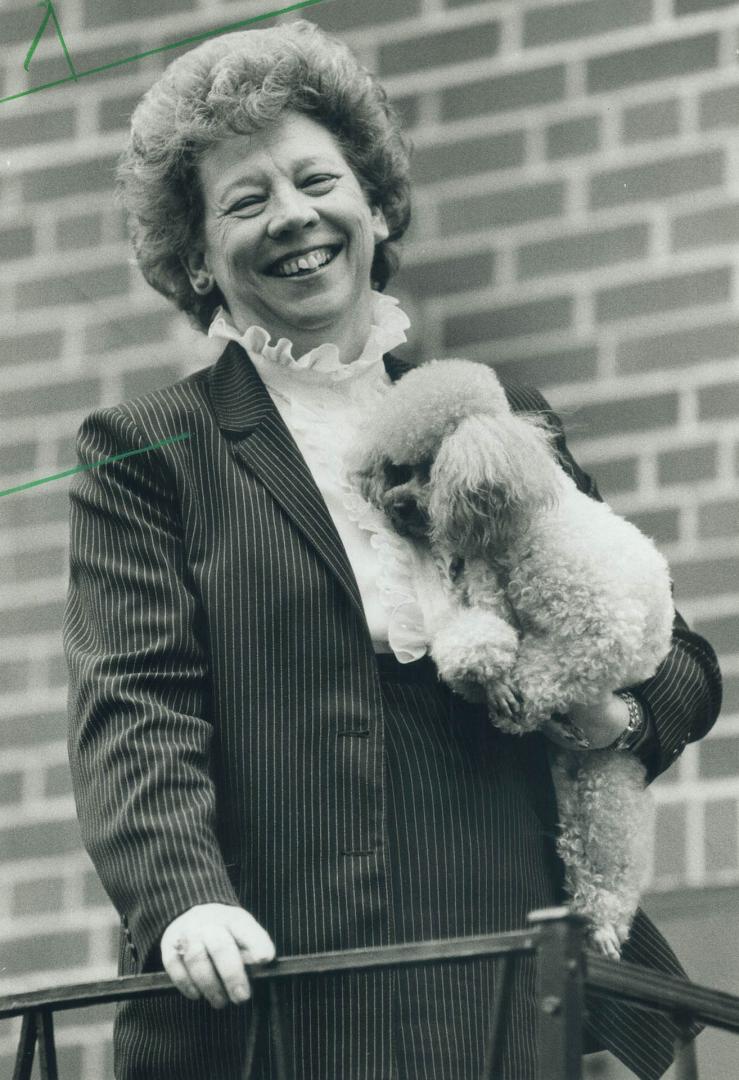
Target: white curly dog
point(548, 599)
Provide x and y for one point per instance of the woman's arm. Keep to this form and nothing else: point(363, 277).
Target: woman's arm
point(682, 699)
point(139, 728)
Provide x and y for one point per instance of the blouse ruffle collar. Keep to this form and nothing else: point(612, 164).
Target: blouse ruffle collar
point(323, 422)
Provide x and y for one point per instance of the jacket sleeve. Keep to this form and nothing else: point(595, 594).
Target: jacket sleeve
point(139, 728)
point(683, 697)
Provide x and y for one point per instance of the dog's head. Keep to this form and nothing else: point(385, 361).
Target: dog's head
point(491, 475)
point(444, 458)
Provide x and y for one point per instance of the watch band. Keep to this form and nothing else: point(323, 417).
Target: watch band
point(635, 727)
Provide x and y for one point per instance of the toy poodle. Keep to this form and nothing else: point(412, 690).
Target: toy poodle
point(535, 597)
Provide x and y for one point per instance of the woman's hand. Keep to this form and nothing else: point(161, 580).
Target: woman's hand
point(601, 724)
point(204, 951)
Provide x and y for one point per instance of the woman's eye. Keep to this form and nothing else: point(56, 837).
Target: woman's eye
point(320, 183)
point(251, 203)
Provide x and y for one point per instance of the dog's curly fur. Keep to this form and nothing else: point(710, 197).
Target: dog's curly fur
point(548, 599)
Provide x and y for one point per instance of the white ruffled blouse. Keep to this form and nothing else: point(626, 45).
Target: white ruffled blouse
point(321, 400)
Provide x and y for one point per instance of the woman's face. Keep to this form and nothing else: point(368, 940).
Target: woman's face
point(288, 234)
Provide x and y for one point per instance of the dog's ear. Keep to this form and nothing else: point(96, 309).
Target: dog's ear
point(488, 476)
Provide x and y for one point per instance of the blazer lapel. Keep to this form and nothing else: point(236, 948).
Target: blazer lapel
point(262, 441)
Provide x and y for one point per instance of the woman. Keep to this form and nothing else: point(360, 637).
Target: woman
point(263, 756)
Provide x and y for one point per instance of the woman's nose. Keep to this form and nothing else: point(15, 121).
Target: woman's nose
point(291, 210)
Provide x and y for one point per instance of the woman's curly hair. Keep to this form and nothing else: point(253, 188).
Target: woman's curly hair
point(236, 84)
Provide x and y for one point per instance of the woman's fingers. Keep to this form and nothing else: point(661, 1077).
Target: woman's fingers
point(204, 951)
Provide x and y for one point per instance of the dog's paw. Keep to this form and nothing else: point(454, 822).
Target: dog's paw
point(503, 700)
point(607, 940)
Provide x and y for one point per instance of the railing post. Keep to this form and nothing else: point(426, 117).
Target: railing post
point(559, 999)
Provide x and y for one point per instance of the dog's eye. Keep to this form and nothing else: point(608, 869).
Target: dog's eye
point(395, 475)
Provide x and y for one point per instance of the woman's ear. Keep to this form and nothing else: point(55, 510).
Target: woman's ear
point(196, 268)
point(380, 230)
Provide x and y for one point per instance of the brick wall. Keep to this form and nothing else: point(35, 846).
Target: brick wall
point(576, 222)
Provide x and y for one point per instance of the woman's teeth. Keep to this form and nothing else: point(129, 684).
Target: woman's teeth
point(311, 261)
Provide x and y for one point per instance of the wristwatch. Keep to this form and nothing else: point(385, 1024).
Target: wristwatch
point(634, 730)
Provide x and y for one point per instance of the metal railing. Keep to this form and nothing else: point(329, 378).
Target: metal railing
point(564, 970)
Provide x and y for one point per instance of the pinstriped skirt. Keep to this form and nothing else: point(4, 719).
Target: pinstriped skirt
point(471, 850)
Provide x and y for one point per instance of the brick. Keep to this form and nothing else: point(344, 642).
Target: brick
point(104, 12)
point(31, 565)
point(467, 156)
point(583, 251)
point(658, 179)
point(501, 208)
point(57, 781)
point(83, 287)
point(719, 401)
point(707, 577)
point(654, 120)
point(17, 457)
point(449, 46)
point(569, 138)
point(438, 277)
point(146, 379)
point(143, 328)
point(42, 952)
point(114, 113)
point(350, 14)
point(93, 893)
point(16, 242)
point(731, 694)
point(670, 841)
point(11, 786)
point(83, 230)
point(720, 108)
point(19, 26)
point(519, 90)
point(718, 756)
point(57, 673)
point(37, 897)
point(558, 23)
point(39, 619)
point(687, 465)
point(661, 61)
point(576, 364)
point(51, 397)
point(45, 345)
point(712, 342)
point(54, 66)
point(721, 836)
point(54, 181)
point(495, 324)
point(39, 506)
point(663, 294)
point(13, 674)
point(43, 126)
point(718, 225)
point(615, 475)
point(690, 7)
point(32, 730)
point(630, 414)
point(40, 839)
point(662, 525)
point(719, 518)
point(722, 633)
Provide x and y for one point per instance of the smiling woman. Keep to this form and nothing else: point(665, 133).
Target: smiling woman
point(288, 238)
point(264, 758)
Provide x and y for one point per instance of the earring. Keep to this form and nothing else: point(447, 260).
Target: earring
point(203, 284)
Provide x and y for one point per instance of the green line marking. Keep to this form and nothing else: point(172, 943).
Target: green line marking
point(95, 464)
point(151, 52)
point(50, 14)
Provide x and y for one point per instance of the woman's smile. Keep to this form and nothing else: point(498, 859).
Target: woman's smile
point(289, 236)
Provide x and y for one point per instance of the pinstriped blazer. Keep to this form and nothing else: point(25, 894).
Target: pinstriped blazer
point(223, 698)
